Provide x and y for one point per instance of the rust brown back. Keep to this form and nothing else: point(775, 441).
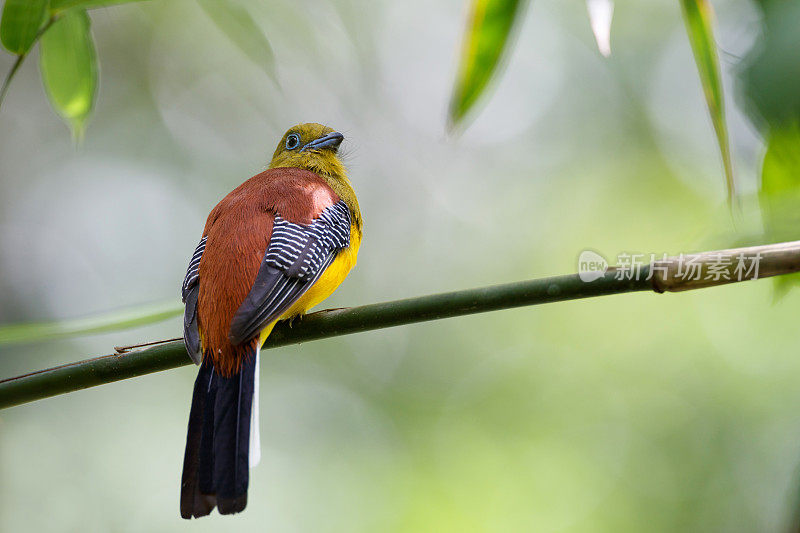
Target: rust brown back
point(238, 231)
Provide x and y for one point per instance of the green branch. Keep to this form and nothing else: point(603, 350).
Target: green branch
point(674, 274)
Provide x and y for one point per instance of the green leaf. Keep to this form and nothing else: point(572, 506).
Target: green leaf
point(237, 24)
point(779, 195)
point(770, 72)
point(21, 22)
point(59, 6)
point(69, 68)
point(117, 320)
point(698, 17)
point(490, 26)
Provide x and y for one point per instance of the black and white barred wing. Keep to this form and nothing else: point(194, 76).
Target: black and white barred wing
point(296, 257)
point(189, 293)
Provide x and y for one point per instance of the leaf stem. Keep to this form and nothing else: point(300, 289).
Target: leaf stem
point(10, 76)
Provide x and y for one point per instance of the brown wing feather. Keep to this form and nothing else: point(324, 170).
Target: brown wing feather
point(238, 231)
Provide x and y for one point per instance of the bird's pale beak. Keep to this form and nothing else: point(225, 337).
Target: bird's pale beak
point(330, 141)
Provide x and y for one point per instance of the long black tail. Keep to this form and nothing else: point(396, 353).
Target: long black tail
point(215, 465)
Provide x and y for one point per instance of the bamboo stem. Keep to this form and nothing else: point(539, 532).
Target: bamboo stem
point(115, 367)
point(668, 275)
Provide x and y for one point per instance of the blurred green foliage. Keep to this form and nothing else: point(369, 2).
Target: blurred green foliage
point(69, 68)
point(698, 16)
point(780, 192)
point(59, 6)
point(490, 27)
point(235, 22)
point(770, 83)
point(770, 72)
point(68, 61)
point(20, 24)
point(488, 33)
point(125, 318)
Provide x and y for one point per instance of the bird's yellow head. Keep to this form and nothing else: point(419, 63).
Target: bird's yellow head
point(310, 146)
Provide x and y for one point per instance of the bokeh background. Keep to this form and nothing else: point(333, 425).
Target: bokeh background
point(624, 413)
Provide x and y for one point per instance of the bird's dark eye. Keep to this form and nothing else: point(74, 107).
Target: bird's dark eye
point(292, 141)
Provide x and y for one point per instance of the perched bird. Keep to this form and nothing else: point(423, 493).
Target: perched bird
point(277, 245)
